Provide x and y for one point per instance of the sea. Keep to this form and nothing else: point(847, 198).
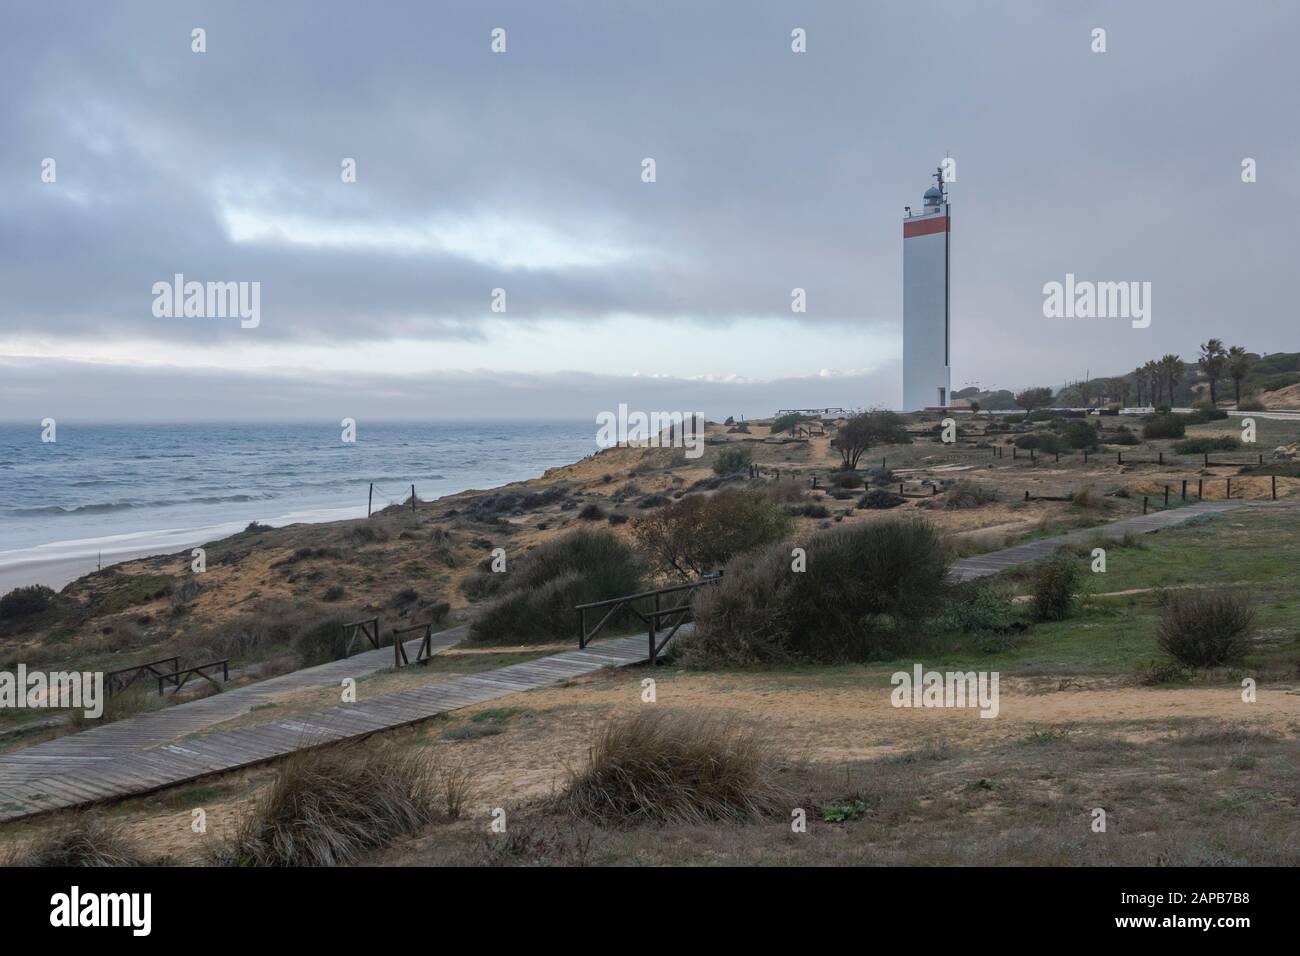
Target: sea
point(101, 493)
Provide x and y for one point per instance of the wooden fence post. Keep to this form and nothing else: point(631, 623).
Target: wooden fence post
point(370, 502)
point(1184, 489)
point(1275, 487)
point(1200, 489)
point(1166, 496)
point(1144, 504)
point(412, 499)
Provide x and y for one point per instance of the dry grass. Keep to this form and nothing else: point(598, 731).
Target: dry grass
point(676, 767)
point(330, 806)
point(80, 839)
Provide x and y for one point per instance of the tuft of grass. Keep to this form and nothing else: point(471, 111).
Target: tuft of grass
point(80, 839)
point(329, 806)
point(665, 766)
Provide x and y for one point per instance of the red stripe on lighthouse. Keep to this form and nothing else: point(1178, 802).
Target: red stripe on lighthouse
point(925, 227)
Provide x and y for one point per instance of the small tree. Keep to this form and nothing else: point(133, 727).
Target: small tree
point(1174, 369)
point(974, 408)
point(862, 431)
point(732, 459)
point(1036, 396)
point(700, 533)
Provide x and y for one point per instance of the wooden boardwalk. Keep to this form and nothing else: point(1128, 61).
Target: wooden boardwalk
point(162, 749)
point(86, 772)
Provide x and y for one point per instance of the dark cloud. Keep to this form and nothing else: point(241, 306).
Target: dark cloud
point(774, 170)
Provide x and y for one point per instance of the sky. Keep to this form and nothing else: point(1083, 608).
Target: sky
point(522, 171)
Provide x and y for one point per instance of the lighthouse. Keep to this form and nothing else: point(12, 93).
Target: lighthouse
point(927, 360)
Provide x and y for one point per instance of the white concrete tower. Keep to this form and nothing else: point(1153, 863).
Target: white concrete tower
point(927, 364)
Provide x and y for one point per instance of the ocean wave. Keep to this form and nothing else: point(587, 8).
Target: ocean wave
point(106, 506)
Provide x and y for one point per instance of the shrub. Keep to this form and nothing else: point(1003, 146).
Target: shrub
point(664, 766)
point(321, 641)
point(1122, 437)
point(591, 512)
point(24, 602)
point(1205, 411)
point(334, 592)
point(538, 594)
point(702, 532)
point(80, 839)
point(847, 479)
point(976, 609)
point(1080, 435)
point(329, 806)
point(1206, 628)
point(809, 510)
point(732, 459)
point(1201, 446)
point(967, 494)
point(1250, 403)
point(860, 584)
point(1164, 426)
point(1056, 585)
point(616, 518)
point(879, 499)
point(786, 423)
point(784, 491)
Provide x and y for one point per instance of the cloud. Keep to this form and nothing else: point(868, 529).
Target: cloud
point(522, 171)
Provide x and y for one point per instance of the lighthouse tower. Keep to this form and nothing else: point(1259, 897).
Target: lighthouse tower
point(927, 365)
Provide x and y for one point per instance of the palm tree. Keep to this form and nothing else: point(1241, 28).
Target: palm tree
point(1174, 368)
point(1238, 368)
point(1139, 379)
point(1213, 361)
point(1155, 375)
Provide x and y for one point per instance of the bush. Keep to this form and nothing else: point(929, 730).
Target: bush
point(732, 459)
point(329, 806)
point(1042, 442)
point(663, 766)
point(1204, 411)
point(1201, 446)
point(1122, 437)
point(80, 839)
point(700, 533)
point(1206, 628)
point(1080, 435)
point(24, 602)
point(321, 641)
point(1056, 586)
point(860, 584)
point(976, 608)
point(616, 518)
point(847, 479)
point(809, 510)
point(784, 491)
point(786, 423)
point(538, 594)
point(878, 499)
point(1250, 403)
point(967, 494)
point(591, 512)
point(1164, 426)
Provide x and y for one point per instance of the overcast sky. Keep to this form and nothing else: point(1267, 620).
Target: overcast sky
point(522, 171)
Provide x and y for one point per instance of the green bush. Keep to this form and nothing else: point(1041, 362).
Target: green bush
point(1206, 628)
point(1080, 435)
point(26, 601)
point(732, 459)
point(1250, 403)
point(1056, 586)
point(1164, 426)
point(1201, 446)
point(862, 589)
point(976, 608)
point(1123, 437)
point(538, 593)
